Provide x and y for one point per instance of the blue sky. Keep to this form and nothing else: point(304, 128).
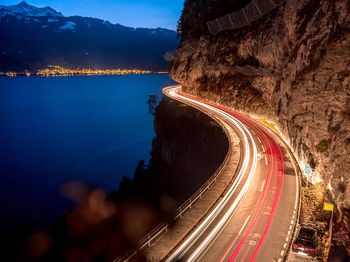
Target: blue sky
point(135, 13)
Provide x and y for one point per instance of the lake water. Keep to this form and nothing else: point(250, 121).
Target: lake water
point(92, 129)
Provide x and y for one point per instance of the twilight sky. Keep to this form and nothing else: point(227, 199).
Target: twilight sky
point(135, 13)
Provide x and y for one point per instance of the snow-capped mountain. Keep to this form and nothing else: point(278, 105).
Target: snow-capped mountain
point(23, 9)
point(37, 37)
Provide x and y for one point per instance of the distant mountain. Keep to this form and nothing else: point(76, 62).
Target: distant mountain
point(33, 38)
point(23, 9)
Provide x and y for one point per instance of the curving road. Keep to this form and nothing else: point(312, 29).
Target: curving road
point(255, 219)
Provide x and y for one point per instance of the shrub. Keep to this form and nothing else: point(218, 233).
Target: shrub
point(323, 145)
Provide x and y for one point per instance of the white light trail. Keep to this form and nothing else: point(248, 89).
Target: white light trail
point(213, 214)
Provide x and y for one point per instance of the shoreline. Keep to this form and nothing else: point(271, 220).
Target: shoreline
point(62, 75)
point(61, 71)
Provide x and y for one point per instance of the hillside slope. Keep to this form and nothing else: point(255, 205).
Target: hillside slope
point(291, 67)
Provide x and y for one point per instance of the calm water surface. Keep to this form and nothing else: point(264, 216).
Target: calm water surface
point(53, 130)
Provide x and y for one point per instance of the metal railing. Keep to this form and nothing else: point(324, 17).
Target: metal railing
point(157, 232)
point(243, 17)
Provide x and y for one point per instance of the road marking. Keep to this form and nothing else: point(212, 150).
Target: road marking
point(259, 139)
point(292, 222)
point(296, 184)
point(287, 238)
point(252, 243)
point(265, 159)
point(285, 245)
point(289, 232)
point(262, 187)
point(282, 253)
point(244, 225)
point(290, 227)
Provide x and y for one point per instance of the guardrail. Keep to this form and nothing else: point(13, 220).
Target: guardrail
point(243, 17)
point(184, 208)
point(239, 19)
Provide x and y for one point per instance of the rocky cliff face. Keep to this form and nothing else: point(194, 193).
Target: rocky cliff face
point(185, 152)
point(291, 67)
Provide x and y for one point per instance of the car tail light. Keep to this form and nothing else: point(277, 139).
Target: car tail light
point(312, 249)
point(295, 245)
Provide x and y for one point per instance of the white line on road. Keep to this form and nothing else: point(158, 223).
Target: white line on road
point(262, 187)
point(244, 225)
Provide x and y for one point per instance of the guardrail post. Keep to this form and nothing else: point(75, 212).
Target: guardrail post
point(218, 23)
point(229, 17)
point(257, 8)
point(273, 3)
point(246, 18)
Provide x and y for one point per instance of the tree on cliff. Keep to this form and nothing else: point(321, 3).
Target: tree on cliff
point(194, 17)
point(196, 14)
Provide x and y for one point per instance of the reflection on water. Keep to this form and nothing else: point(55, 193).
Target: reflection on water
point(187, 150)
point(53, 130)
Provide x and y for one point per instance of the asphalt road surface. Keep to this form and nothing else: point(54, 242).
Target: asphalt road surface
point(255, 219)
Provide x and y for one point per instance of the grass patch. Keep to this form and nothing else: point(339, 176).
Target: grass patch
point(323, 145)
point(268, 124)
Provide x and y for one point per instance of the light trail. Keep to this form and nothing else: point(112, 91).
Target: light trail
point(195, 235)
point(277, 195)
point(261, 200)
point(280, 178)
point(265, 197)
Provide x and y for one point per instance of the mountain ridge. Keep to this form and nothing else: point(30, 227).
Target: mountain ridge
point(25, 9)
point(34, 38)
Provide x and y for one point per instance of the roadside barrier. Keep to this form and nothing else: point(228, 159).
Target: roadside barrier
point(239, 19)
point(243, 17)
